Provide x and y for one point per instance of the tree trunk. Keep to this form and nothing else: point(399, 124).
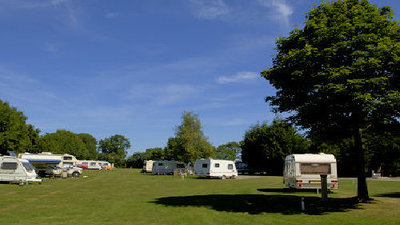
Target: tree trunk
point(362, 190)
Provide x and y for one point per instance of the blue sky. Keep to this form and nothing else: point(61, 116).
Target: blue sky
point(133, 67)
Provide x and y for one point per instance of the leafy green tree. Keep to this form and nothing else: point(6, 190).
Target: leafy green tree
point(155, 154)
point(63, 142)
point(113, 149)
point(189, 142)
point(15, 134)
point(228, 151)
point(266, 146)
point(136, 160)
point(340, 72)
point(91, 145)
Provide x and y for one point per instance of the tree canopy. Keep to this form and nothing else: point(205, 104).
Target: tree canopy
point(266, 146)
point(15, 134)
point(228, 151)
point(340, 73)
point(189, 142)
point(113, 149)
point(63, 142)
point(91, 145)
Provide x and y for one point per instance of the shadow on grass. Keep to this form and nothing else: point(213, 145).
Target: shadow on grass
point(286, 190)
point(390, 195)
point(258, 203)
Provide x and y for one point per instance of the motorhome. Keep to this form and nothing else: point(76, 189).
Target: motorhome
point(303, 171)
point(47, 163)
point(16, 170)
point(167, 167)
point(215, 168)
point(147, 166)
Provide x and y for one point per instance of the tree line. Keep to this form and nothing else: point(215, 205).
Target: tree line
point(18, 136)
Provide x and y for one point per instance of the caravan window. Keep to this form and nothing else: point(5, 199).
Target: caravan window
point(204, 165)
point(85, 163)
point(93, 163)
point(315, 168)
point(28, 166)
point(9, 166)
point(230, 166)
point(216, 165)
point(67, 158)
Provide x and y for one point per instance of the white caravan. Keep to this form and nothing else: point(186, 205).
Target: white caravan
point(217, 168)
point(16, 170)
point(302, 171)
point(147, 166)
point(167, 167)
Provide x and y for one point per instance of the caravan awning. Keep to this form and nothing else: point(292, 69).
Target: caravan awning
point(47, 161)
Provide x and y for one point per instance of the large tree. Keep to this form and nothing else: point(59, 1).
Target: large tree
point(228, 151)
point(189, 142)
point(91, 145)
point(63, 142)
point(340, 72)
point(15, 134)
point(113, 149)
point(266, 146)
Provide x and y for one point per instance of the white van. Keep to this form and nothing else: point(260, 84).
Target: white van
point(16, 170)
point(217, 168)
point(167, 167)
point(302, 171)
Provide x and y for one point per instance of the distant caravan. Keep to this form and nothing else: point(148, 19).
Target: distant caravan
point(215, 168)
point(167, 167)
point(147, 166)
point(302, 171)
point(94, 165)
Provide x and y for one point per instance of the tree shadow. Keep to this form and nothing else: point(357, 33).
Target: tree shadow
point(389, 195)
point(258, 203)
point(286, 190)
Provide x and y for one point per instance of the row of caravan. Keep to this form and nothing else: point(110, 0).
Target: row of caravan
point(214, 168)
point(301, 171)
point(27, 166)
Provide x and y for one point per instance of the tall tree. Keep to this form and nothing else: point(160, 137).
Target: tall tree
point(15, 134)
point(155, 154)
point(91, 145)
point(136, 160)
point(63, 142)
point(340, 72)
point(113, 149)
point(228, 151)
point(266, 146)
point(190, 143)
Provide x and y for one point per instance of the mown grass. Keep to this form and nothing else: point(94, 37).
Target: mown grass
point(128, 197)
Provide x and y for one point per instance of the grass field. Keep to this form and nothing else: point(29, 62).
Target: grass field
point(127, 197)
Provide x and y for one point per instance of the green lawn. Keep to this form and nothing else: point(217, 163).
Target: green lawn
point(128, 197)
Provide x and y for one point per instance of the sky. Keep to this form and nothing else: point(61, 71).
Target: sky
point(132, 67)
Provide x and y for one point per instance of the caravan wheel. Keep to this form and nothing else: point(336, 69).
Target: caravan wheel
point(223, 177)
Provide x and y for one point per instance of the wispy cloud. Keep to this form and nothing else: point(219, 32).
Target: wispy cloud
point(209, 9)
point(65, 9)
point(162, 95)
point(234, 122)
point(111, 15)
point(241, 76)
point(282, 10)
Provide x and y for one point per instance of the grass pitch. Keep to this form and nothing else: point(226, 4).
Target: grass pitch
point(127, 197)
